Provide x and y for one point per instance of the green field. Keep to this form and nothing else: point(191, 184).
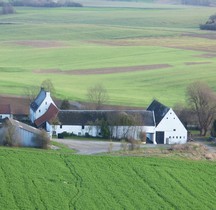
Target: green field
point(37, 42)
point(36, 179)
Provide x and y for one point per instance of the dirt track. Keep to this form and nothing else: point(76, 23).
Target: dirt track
point(90, 147)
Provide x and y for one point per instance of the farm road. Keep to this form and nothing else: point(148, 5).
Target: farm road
point(89, 147)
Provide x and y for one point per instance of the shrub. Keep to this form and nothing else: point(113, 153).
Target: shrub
point(42, 140)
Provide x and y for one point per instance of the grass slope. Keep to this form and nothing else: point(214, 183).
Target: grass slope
point(35, 179)
point(88, 38)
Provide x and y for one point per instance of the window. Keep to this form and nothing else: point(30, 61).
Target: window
point(174, 129)
point(39, 110)
point(46, 103)
point(180, 137)
point(61, 126)
point(0, 116)
point(83, 126)
point(176, 136)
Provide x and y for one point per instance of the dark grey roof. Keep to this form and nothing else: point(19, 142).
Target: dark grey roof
point(85, 117)
point(39, 99)
point(159, 110)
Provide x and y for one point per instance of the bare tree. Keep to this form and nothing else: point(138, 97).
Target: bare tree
point(31, 92)
point(202, 101)
point(97, 96)
point(48, 86)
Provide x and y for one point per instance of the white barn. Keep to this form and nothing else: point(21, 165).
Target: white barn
point(168, 128)
point(87, 123)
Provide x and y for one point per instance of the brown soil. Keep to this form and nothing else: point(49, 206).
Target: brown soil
point(196, 63)
point(207, 55)
point(38, 43)
point(205, 36)
point(111, 70)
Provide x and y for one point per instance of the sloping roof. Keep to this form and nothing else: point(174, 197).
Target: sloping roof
point(84, 117)
point(47, 116)
point(159, 110)
point(21, 125)
point(5, 109)
point(39, 99)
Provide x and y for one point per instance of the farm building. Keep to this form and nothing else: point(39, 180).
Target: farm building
point(158, 123)
point(18, 133)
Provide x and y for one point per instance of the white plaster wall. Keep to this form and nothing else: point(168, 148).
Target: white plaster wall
point(174, 130)
point(76, 129)
point(32, 115)
point(117, 132)
point(44, 106)
point(2, 116)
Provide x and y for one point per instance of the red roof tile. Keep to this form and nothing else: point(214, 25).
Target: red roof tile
point(47, 116)
point(5, 109)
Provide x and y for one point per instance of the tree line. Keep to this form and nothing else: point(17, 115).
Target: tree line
point(210, 23)
point(198, 2)
point(41, 3)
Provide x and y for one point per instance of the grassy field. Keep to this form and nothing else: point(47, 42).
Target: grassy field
point(36, 179)
point(36, 44)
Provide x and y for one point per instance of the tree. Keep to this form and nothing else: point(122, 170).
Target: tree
point(97, 96)
point(65, 105)
point(202, 101)
point(31, 92)
point(7, 8)
point(213, 129)
point(185, 114)
point(48, 86)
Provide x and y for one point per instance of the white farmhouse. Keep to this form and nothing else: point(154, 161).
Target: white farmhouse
point(160, 124)
point(40, 105)
point(43, 110)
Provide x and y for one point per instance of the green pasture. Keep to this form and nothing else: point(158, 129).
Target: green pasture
point(69, 39)
point(36, 179)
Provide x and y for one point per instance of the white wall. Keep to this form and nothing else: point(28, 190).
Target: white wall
point(2, 116)
point(117, 131)
point(174, 130)
point(76, 129)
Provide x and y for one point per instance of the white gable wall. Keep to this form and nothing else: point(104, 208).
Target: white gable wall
point(174, 130)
